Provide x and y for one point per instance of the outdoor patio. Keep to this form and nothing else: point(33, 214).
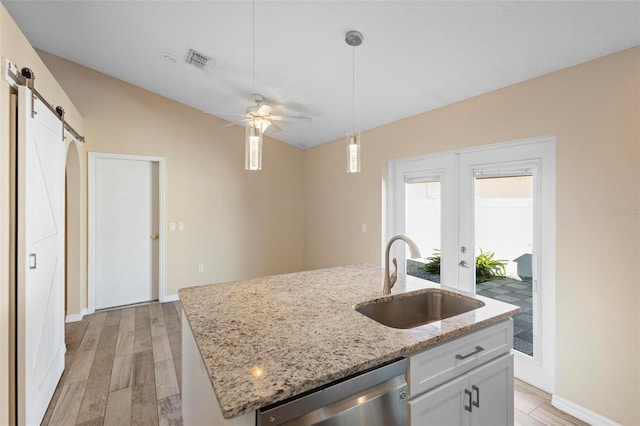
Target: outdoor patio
point(510, 290)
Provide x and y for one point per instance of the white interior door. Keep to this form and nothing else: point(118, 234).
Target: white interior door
point(40, 270)
point(125, 207)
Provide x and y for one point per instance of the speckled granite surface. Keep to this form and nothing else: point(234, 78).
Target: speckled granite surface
point(267, 339)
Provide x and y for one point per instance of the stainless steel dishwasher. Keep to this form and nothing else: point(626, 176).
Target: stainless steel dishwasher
point(377, 397)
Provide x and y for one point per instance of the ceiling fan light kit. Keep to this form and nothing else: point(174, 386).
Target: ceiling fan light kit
point(353, 38)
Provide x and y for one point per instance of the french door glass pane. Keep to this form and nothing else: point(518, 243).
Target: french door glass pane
point(423, 224)
point(504, 214)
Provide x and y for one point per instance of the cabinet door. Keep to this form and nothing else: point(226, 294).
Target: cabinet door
point(492, 393)
point(442, 406)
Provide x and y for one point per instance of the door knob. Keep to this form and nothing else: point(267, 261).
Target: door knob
point(463, 263)
point(154, 237)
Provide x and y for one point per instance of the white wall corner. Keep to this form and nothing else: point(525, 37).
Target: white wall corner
point(170, 298)
point(580, 412)
point(76, 317)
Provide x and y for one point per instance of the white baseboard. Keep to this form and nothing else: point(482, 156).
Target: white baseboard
point(170, 298)
point(76, 317)
point(580, 412)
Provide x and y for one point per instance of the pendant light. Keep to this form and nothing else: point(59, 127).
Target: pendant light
point(353, 38)
point(255, 127)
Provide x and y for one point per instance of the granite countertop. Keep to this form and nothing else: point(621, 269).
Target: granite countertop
point(264, 340)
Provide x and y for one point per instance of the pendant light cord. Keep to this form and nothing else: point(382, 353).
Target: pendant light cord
point(253, 34)
point(353, 90)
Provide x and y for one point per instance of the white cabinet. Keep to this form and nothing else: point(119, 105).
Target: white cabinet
point(478, 384)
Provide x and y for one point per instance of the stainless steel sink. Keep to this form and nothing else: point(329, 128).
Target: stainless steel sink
point(408, 310)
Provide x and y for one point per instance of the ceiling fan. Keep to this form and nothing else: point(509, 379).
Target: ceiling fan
point(260, 115)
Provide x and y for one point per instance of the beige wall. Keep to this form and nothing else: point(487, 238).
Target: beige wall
point(239, 224)
point(14, 46)
point(594, 111)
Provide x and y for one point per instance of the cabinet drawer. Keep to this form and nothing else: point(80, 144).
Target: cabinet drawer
point(434, 366)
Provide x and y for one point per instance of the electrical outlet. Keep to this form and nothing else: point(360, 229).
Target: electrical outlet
point(200, 267)
point(364, 227)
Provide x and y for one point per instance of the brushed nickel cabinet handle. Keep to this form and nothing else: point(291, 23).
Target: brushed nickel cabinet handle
point(468, 406)
point(478, 350)
point(476, 403)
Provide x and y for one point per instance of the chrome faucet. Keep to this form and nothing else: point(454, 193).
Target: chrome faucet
point(390, 279)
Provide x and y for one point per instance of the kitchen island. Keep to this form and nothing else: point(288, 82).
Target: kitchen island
point(264, 340)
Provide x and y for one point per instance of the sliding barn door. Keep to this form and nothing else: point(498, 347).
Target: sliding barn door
point(40, 256)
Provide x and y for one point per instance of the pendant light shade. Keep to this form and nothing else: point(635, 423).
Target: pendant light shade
point(253, 143)
point(353, 152)
point(353, 39)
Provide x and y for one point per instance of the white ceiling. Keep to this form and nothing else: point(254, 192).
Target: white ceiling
point(416, 55)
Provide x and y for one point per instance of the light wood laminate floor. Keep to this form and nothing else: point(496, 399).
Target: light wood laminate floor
point(123, 367)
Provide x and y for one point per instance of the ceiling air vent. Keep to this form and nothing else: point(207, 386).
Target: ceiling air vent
point(197, 59)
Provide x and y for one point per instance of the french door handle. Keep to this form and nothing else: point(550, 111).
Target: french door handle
point(476, 351)
point(463, 264)
point(468, 406)
point(476, 403)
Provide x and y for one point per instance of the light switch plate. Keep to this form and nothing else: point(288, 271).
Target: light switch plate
point(172, 226)
point(180, 226)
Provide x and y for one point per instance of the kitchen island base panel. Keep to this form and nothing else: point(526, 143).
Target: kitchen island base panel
point(199, 403)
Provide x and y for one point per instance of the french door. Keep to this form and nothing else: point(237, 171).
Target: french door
point(484, 219)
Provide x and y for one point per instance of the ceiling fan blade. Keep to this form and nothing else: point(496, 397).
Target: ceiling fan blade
point(291, 119)
point(264, 110)
point(235, 123)
point(274, 128)
point(231, 114)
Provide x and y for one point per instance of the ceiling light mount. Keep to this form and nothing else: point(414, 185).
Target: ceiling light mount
point(353, 38)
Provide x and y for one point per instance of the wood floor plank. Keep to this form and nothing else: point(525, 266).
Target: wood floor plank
point(551, 416)
point(113, 318)
point(91, 338)
point(118, 411)
point(142, 340)
point(109, 336)
point(161, 348)
point(96, 422)
point(170, 411)
point(171, 321)
point(127, 320)
point(523, 419)
point(157, 327)
point(143, 368)
point(166, 381)
point(175, 343)
point(525, 400)
point(144, 409)
point(142, 320)
point(94, 401)
point(121, 372)
point(155, 311)
point(66, 410)
point(80, 367)
point(124, 342)
point(77, 332)
point(177, 364)
point(102, 363)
